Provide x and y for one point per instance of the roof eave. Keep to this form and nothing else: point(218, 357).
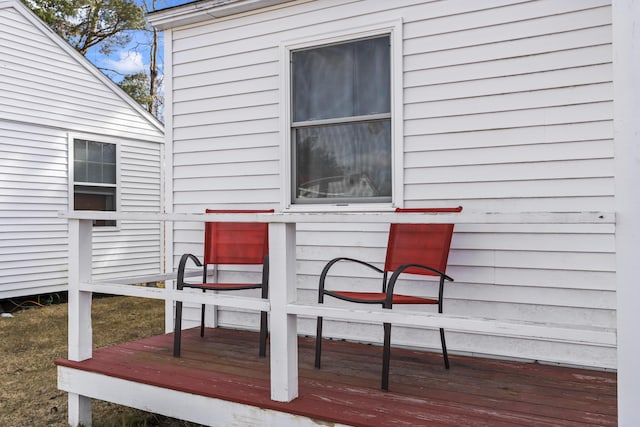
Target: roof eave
point(199, 11)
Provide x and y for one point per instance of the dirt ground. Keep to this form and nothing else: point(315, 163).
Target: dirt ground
point(33, 338)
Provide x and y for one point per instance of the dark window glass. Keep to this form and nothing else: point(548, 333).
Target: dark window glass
point(344, 80)
point(346, 157)
point(95, 163)
point(344, 161)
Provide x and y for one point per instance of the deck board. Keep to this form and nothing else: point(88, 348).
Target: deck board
point(475, 391)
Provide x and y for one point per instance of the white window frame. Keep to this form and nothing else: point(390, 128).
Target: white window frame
point(391, 28)
point(94, 138)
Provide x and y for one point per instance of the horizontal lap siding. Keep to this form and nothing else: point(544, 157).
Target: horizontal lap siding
point(46, 94)
point(511, 114)
point(33, 189)
point(514, 113)
point(508, 107)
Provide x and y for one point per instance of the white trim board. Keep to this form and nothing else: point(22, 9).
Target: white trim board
point(177, 404)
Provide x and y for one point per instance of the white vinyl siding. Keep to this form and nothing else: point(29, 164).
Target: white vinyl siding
point(33, 189)
point(507, 107)
point(48, 93)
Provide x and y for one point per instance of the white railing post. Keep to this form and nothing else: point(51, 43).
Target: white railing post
point(79, 334)
point(79, 410)
point(80, 338)
point(283, 326)
point(626, 108)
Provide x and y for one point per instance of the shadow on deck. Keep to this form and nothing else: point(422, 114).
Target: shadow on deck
point(475, 391)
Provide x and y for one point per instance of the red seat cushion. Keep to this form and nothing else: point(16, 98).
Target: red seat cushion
point(379, 297)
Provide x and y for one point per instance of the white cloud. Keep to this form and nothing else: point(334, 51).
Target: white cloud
point(128, 63)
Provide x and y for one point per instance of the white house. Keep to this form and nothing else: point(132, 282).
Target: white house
point(69, 139)
point(493, 105)
point(523, 112)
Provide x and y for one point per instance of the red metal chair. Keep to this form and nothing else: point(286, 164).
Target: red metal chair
point(228, 243)
point(413, 249)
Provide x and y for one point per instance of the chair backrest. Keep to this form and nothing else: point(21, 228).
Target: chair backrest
point(426, 244)
point(236, 242)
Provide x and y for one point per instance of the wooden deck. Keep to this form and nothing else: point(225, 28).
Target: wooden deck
point(475, 391)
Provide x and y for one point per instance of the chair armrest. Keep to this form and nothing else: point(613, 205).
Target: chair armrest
point(331, 263)
point(181, 268)
point(402, 268)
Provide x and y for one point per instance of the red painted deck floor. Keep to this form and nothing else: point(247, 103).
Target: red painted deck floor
point(474, 391)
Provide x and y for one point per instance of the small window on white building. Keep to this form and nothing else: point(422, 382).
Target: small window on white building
point(341, 129)
point(94, 177)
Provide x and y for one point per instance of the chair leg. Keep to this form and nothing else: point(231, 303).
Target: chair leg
point(263, 334)
point(386, 356)
point(177, 329)
point(444, 349)
point(318, 342)
point(202, 321)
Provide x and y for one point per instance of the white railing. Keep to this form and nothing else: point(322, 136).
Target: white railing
point(282, 303)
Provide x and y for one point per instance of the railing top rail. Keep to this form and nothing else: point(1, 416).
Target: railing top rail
point(590, 217)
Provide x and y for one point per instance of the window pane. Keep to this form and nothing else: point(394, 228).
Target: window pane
point(80, 150)
point(94, 162)
point(109, 153)
point(80, 171)
point(95, 172)
point(94, 153)
point(104, 223)
point(95, 199)
point(109, 173)
point(372, 78)
point(344, 80)
point(344, 161)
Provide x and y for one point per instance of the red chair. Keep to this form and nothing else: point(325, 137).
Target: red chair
point(228, 243)
point(412, 249)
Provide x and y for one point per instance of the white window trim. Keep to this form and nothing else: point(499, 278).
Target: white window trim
point(95, 138)
point(392, 28)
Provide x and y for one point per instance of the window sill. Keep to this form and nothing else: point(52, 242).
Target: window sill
point(353, 207)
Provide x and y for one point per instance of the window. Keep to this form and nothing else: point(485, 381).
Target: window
point(94, 177)
point(341, 122)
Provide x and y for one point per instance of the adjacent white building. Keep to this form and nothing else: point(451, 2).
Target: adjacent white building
point(69, 139)
point(495, 105)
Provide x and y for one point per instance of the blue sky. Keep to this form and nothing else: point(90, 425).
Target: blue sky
point(133, 58)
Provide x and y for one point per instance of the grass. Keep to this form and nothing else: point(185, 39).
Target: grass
point(32, 339)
